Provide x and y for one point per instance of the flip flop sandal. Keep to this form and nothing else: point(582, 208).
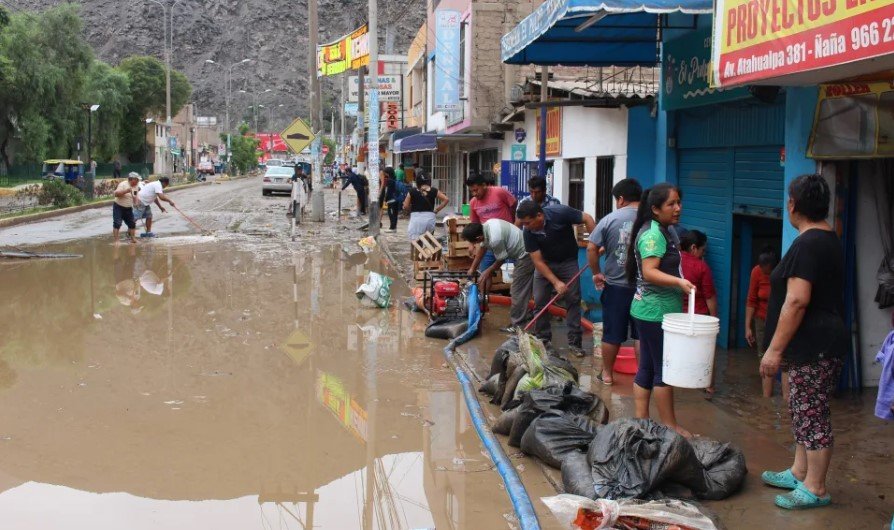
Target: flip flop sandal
point(780, 479)
point(603, 381)
point(801, 499)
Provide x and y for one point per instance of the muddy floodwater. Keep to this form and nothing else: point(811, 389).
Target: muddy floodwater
point(197, 386)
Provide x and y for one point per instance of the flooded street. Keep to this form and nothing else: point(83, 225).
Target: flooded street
point(234, 381)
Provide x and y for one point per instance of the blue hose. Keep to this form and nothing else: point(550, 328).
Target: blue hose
point(524, 510)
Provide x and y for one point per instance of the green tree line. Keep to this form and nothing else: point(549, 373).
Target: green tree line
point(48, 72)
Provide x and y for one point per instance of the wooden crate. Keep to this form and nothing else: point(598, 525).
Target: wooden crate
point(458, 264)
point(422, 267)
point(580, 232)
point(455, 225)
point(426, 248)
point(458, 249)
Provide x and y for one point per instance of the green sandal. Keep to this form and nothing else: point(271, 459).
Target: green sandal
point(801, 498)
point(780, 479)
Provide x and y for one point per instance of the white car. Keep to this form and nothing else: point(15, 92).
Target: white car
point(277, 179)
point(276, 162)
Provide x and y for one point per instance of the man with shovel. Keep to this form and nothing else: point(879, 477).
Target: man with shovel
point(152, 192)
point(552, 244)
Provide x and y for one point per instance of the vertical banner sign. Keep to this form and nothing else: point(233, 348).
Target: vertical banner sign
point(447, 50)
point(347, 53)
point(373, 141)
point(761, 39)
point(553, 132)
point(392, 116)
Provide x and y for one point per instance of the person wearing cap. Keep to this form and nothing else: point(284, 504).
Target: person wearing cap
point(152, 192)
point(122, 207)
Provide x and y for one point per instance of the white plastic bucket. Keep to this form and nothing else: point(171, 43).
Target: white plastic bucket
point(689, 342)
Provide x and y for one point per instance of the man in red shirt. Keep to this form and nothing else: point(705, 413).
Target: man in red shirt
point(488, 202)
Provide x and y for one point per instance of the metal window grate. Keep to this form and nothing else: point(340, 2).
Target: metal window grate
point(605, 177)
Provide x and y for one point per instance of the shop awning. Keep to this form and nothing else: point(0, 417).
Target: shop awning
point(596, 32)
point(417, 142)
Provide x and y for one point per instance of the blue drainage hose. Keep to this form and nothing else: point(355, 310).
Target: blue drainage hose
point(524, 510)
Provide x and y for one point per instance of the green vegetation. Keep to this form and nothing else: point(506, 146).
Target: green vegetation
point(244, 155)
point(60, 195)
point(48, 71)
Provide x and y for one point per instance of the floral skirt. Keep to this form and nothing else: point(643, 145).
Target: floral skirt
point(812, 385)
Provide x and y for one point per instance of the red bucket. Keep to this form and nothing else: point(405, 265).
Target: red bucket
point(626, 361)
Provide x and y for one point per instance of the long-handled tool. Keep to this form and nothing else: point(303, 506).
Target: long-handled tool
point(568, 284)
point(195, 224)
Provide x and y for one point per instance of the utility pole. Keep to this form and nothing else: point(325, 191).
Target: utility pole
point(318, 206)
point(373, 139)
point(342, 138)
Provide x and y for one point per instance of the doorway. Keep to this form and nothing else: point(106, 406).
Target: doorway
point(751, 236)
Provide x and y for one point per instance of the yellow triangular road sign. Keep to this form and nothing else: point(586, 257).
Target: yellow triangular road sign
point(297, 136)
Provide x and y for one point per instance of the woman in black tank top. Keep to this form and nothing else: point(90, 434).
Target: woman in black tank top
point(421, 203)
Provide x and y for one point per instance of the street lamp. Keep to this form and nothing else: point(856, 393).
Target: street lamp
point(256, 95)
point(89, 109)
point(228, 81)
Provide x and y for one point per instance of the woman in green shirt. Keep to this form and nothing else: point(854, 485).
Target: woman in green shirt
point(653, 263)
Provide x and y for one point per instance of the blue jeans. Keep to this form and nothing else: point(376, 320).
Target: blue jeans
point(488, 260)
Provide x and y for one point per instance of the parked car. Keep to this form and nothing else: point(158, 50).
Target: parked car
point(275, 162)
point(277, 179)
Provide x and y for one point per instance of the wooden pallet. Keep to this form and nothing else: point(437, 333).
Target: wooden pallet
point(458, 264)
point(426, 248)
point(455, 225)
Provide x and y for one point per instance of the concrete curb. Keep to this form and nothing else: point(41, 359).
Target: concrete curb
point(41, 216)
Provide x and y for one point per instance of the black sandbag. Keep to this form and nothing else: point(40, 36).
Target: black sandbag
point(503, 425)
point(554, 434)
point(489, 386)
point(511, 384)
point(724, 466)
point(631, 457)
point(498, 363)
point(577, 479)
point(564, 364)
point(446, 328)
point(534, 403)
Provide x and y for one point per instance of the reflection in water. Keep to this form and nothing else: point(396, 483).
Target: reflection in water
point(206, 394)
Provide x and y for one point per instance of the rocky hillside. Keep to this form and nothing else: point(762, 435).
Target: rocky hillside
point(273, 33)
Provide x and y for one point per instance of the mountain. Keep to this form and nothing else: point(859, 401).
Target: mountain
point(273, 33)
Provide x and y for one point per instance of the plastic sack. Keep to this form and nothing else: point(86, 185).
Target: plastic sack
point(447, 328)
point(724, 466)
point(567, 397)
point(554, 434)
point(377, 288)
point(503, 425)
point(632, 457)
point(368, 244)
point(577, 479)
point(580, 513)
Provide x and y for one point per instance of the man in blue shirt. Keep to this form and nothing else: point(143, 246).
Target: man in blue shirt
point(537, 187)
point(552, 244)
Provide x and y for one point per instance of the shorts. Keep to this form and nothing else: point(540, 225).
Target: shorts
point(122, 213)
point(616, 319)
point(650, 372)
point(760, 332)
point(142, 212)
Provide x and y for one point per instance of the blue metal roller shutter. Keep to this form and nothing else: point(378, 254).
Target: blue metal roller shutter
point(758, 182)
point(706, 180)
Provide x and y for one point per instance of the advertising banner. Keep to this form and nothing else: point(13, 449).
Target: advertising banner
point(514, 176)
point(553, 132)
point(685, 67)
point(389, 87)
point(756, 40)
point(853, 120)
point(392, 116)
point(347, 53)
point(447, 52)
point(519, 152)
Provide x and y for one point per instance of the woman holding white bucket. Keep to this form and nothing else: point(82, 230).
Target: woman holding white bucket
point(808, 336)
point(653, 262)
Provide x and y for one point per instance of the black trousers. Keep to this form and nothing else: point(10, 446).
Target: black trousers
point(393, 212)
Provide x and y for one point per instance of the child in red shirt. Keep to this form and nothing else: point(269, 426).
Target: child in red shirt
point(693, 245)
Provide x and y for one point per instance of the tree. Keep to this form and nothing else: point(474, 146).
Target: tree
point(330, 156)
point(147, 98)
point(244, 155)
point(110, 89)
point(44, 60)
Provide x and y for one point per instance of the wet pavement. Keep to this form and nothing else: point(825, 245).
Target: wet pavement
point(233, 380)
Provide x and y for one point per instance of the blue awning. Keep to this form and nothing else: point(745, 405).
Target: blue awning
point(595, 32)
point(417, 142)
